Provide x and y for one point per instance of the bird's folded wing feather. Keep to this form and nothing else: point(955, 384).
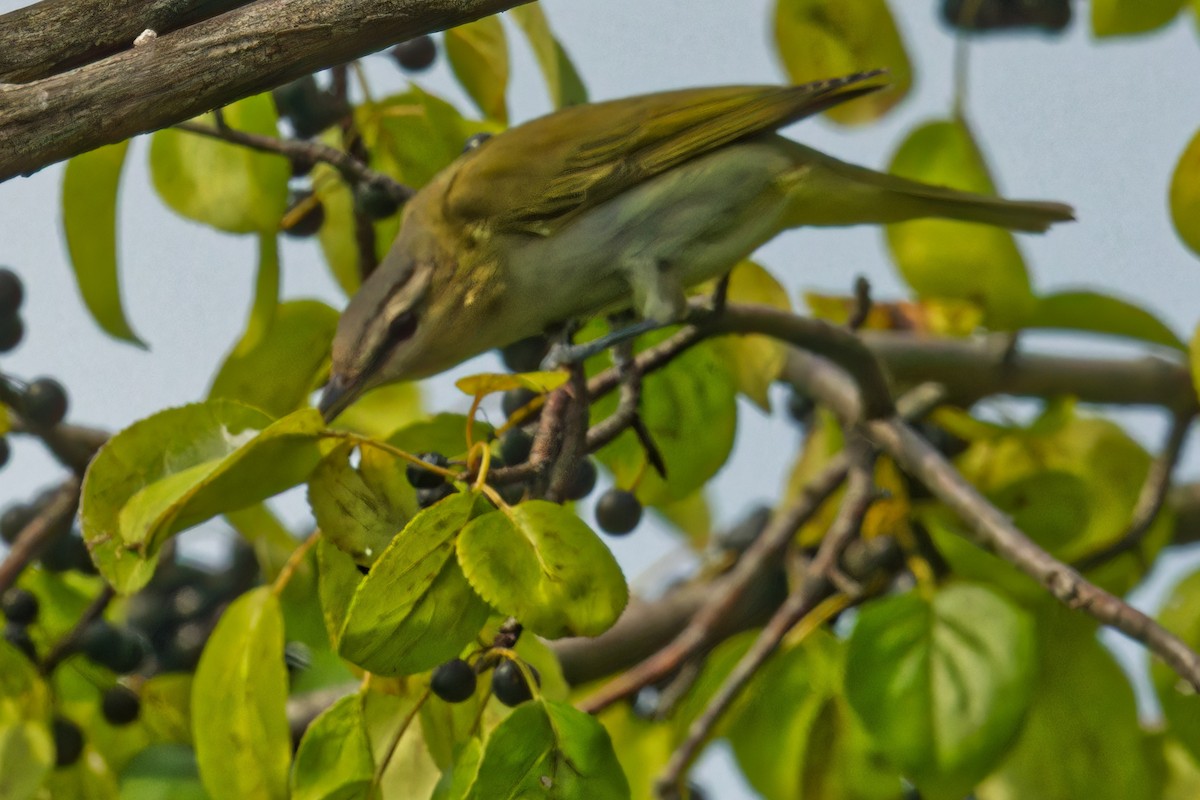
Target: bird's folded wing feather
point(535, 178)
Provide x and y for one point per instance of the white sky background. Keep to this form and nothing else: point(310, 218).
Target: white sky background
point(1097, 125)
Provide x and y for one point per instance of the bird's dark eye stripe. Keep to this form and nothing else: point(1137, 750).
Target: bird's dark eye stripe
point(475, 141)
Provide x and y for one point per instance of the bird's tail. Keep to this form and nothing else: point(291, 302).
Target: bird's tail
point(825, 191)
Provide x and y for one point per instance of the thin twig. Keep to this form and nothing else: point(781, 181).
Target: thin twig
point(1150, 499)
point(66, 645)
point(814, 588)
point(34, 536)
point(351, 168)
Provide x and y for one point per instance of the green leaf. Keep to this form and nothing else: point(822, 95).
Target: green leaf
point(440, 433)
point(230, 187)
point(695, 392)
point(351, 514)
point(395, 739)
point(1081, 738)
point(279, 373)
point(549, 750)
point(334, 760)
point(1124, 17)
point(415, 610)
point(336, 235)
point(456, 780)
point(562, 80)
point(819, 39)
point(943, 685)
point(949, 259)
point(266, 294)
point(89, 218)
point(182, 466)
point(1101, 313)
point(239, 699)
point(818, 749)
point(163, 772)
point(383, 410)
point(1185, 194)
point(337, 579)
point(1180, 703)
point(478, 54)
point(543, 565)
point(26, 758)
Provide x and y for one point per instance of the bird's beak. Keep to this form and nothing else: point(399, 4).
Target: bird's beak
point(337, 395)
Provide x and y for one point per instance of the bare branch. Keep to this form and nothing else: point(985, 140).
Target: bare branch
point(204, 66)
point(36, 534)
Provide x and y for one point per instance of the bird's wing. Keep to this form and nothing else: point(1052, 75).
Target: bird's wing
point(537, 176)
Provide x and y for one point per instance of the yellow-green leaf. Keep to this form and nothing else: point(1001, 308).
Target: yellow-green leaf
point(1101, 313)
point(540, 563)
point(478, 54)
point(230, 187)
point(182, 466)
point(337, 232)
point(89, 217)
point(491, 382)
point(1185, 195)
point(334, 759)
point(755, 361)
point(239, 702)
point(415, 610)
point(562, 80)
point(1124, 17)
point(818, 39)
point(279, 373)
point(963, 260)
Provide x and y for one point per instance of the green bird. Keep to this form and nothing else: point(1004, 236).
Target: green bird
point(621, 204)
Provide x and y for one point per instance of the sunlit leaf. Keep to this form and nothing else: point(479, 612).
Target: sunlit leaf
point(949, 259)
point(543, 565)
point(478, 55)
point(334, 759)
point(281, 371)
point(89, 217)
point(358, 516)
point(182, 466)
point(1179, 700)
point(336, 235)
point(490, 382)
point(239, 699)
point(1124, 17)
point(1101, 313)
point(383, 410)
point(1185, 194)
point(228, 186)
point(163, 772)
point(562, 80)
point(819, 39)
point(415, 610)
point(549, 750)
point(943, 685)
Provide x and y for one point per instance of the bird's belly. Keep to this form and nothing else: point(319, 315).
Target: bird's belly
point(697, 220)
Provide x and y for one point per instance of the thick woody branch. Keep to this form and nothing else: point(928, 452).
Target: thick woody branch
point(57, 35)
point(175, 77)
point(34, 537)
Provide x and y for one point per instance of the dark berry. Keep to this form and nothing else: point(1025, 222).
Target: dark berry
point(59, 554)
point(188, 602)
point(301, 166)
point(120, 649)
point(427, 497)
point(800, 407)
point(20, 606)
point(5, 452)
point(618, 511)
point(12, 292)
point(416, 54)
point(45, 402)
point(525, 355)
point(508, 684)
point(363, 568)
point(515, 399)
point(68, 741)
point(12, 331)
point(309, 108)
point(120, 705)
point(512, 493)
point(582, 482)
point(453, 681)
point(515, 445)
point(13, 521)
point(421, 478)
point(183, 650)
point(309, 220)
point(374, 201)
point(18, 637)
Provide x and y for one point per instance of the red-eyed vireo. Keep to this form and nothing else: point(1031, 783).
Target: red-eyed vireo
point(626, 203)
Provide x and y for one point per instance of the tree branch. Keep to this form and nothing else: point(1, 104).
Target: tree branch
point(34, 536)
point(204, 66)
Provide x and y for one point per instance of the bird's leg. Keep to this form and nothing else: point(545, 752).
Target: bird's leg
point(720, 295)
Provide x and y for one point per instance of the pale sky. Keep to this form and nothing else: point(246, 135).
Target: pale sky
point(1099, 126)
